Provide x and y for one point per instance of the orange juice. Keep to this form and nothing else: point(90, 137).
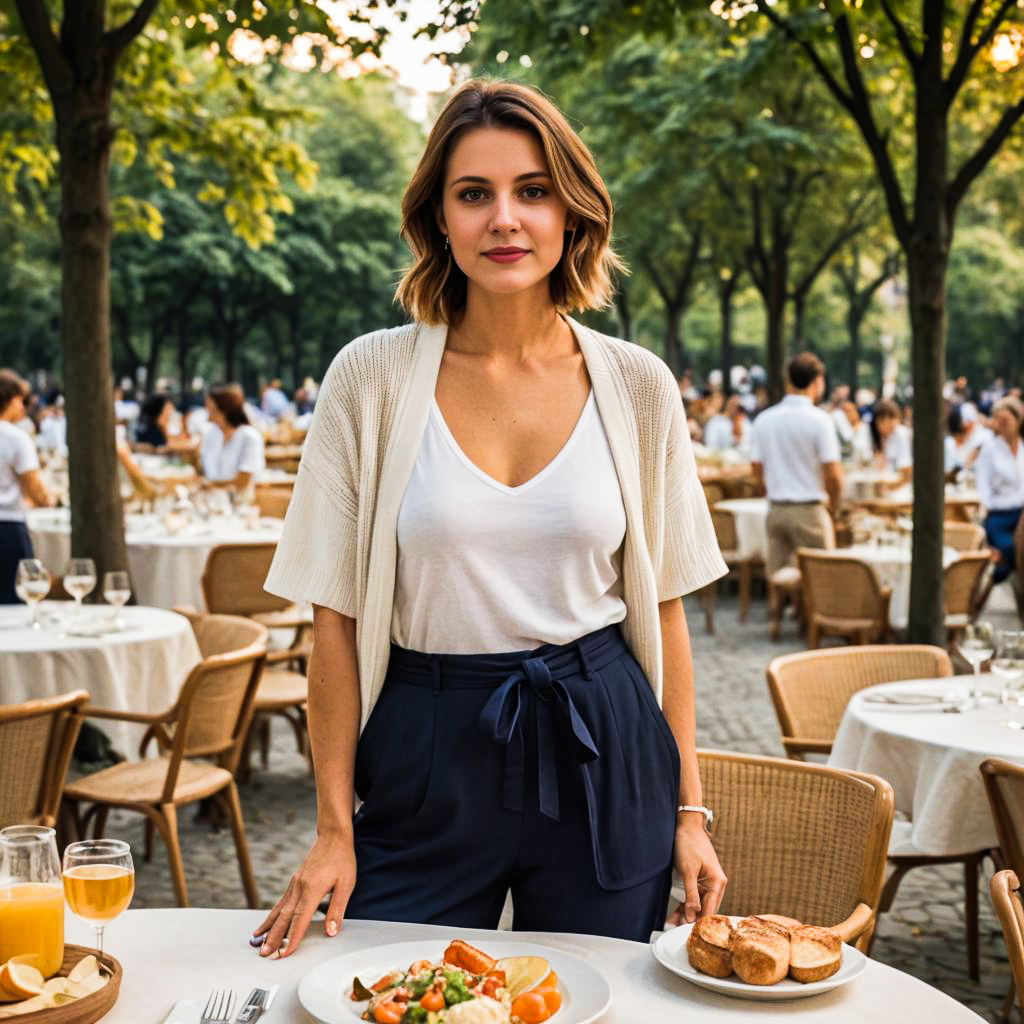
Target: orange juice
point(32, 921)
point(98, 892)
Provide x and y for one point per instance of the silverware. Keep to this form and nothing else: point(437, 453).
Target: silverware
point(218, 1007)
point(253, 1007)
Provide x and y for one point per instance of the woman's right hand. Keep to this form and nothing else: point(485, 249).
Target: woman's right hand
point(330, 864)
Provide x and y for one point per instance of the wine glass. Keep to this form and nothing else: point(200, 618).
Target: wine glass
point(99, 881)
point(117, 589)
point(80, 580)
point(1008, 663)
point(977, 645)
point(32, 584)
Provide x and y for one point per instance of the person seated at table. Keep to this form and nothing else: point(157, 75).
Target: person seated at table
point(231, 450)
point(965, 438)
point(154, 418)
point(885, 442)
point(728, 429)
point(999, 476)
point(19, 480)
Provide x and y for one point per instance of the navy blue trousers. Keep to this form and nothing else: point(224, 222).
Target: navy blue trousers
point(551, 774)
point(999, 529)
point(15, 544)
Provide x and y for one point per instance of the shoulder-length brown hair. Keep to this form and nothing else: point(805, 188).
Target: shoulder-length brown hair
point(433, 289)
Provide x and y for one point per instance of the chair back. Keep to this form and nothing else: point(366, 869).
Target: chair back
point(36, 741)
point(724, 523)
point(1005, 891)
point(836, 586)
point(214, 707)
point(273, 501)
point(810, 690)
point(962, 536)
point(233, 579)
point(961, 579)
point(804, 840)
point(1004, 787)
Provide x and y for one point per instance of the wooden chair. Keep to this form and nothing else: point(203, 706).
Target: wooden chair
point(728, 543)
point(810, 689)
point(36, 742)
point(713, 493)
point(1005, 891)
point(842, 597)
point(273, 501)
point(209, 720)
point(962, 536)
point(962, 582)
point(232, 584)
point(804, 840)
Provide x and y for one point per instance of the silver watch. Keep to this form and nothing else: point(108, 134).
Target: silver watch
point(709, 816)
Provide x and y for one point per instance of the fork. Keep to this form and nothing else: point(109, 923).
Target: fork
point(218, 1007)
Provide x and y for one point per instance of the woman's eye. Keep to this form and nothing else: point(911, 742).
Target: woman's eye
point(474, 195)
point(535, 192)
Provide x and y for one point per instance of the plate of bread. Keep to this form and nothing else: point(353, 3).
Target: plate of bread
point(763, 957)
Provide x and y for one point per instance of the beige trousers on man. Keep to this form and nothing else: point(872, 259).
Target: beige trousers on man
point(796, 526)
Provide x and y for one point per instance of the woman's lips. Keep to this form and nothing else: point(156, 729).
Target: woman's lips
point(506, 255)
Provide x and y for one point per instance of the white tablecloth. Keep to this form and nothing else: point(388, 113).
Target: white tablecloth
point(168, 955)
point(861, 484)
point(891, 563)
point(751, 517)
point(931, 759)
point(165, 569)
point(140, 668)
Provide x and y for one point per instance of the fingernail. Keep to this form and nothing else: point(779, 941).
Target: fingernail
point(263, 948)
point(332, 927)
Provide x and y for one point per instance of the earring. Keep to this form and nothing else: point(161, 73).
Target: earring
point(446, 243)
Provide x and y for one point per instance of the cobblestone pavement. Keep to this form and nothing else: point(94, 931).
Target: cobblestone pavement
point(922, 935)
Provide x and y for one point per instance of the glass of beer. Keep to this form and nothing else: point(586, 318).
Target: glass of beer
point(31, 900)
point(99, 880)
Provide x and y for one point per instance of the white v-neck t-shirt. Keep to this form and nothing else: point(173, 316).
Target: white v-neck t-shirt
point(486, 569)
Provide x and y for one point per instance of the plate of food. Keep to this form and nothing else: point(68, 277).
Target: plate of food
point(762, 957)
point(455, 983)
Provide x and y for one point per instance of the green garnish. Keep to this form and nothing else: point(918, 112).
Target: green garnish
point(455, 989)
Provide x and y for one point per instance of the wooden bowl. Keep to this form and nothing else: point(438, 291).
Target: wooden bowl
point(86, 1009)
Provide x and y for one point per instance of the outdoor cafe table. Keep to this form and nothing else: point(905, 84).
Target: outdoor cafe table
point(165, 568)
point(172, 955)
point(751, 518)
point(931, 759)
point(139, 668)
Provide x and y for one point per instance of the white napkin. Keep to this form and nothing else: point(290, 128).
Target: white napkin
point(184, 1011)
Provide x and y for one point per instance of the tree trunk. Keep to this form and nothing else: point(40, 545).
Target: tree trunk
point(775, 343)
point(799, 321)
point(726, 289)
point(625, 313)
point(183, 347)
point(84, 136)
point(854, 319)
point(156, 338)
point(674, 349)
point(295, 335)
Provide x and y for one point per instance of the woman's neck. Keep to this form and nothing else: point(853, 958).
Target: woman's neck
point(518, 326)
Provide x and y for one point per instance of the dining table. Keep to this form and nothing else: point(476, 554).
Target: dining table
point(751, 518)
point(173, 959)
point(166, 554)
point(930, 754)
point(138, 666)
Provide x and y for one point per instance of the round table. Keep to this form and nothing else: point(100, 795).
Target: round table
point(138, 668)
point(170, 956)
point(892, 563)
point(751, 518)
point(931, 759)
point(165, 568)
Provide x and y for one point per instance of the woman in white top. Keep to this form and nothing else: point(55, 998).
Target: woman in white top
point(885, 442)
point(231, 451)
point(508, 504)
point(19, 479)
point(999, 475)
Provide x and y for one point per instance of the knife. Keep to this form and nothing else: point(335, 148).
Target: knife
point(257, 1003)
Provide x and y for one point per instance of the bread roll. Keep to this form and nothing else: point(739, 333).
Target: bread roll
point(760, 952)
point(789, 923)
point(708, 945)
point(815, 953)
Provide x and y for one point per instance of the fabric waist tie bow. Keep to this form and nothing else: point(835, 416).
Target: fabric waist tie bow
point(501, 718)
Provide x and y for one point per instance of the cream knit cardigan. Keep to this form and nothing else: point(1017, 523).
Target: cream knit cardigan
point(339, 545)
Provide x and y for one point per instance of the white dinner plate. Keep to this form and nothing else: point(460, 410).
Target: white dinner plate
point(324, 991)
point(670, 951)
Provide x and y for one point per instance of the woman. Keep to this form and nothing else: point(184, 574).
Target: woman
point(999, 477)
point(507, 504)
point(19, 479)
point(154, 420)
point(230, 451)
point(886, 443)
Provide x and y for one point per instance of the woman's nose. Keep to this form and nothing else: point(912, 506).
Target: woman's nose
point(504, 216)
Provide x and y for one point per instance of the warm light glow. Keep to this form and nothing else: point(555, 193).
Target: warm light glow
point(1005, 52)
point(867, 51)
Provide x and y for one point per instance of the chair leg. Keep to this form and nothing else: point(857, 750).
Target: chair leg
point(813, 635)
point(746, 575)
point(147, 850)
point(971, 865)
point(775, 610)
point(892, 883)
point(265, 741)
point(166, 820)
point(1006, 1012)
point(230, 798)
point(100, 824)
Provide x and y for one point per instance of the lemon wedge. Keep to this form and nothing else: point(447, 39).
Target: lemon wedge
point(22, 981)
point(523, 973)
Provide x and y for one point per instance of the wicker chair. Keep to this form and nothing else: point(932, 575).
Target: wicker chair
point(962, 536)
point(1005, 891)
point(803, 840)
point(962, 582)
point(842, 597)
point(36, 741)
point(725, 533)
point(232, 584)
point(1004, 787)
point(273, 501)
point(209, 720)
point(810, 690)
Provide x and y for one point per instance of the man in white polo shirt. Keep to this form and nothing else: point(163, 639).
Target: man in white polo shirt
point(795, 453)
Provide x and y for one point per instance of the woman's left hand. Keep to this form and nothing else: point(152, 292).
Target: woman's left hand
point(704, 880)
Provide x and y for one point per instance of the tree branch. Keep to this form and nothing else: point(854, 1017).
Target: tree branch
point(967, 49)
point(119, 38)
point(656, 279)
point(35, 18)
point(906, 44)
point(977, 162)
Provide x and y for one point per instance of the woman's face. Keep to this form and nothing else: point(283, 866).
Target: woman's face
point(505, 223)
point(1005, 424)
point(215, 414)
point(886, 425)
point(165, 415)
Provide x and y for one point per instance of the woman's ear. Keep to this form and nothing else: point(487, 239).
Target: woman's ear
point(439, 217)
